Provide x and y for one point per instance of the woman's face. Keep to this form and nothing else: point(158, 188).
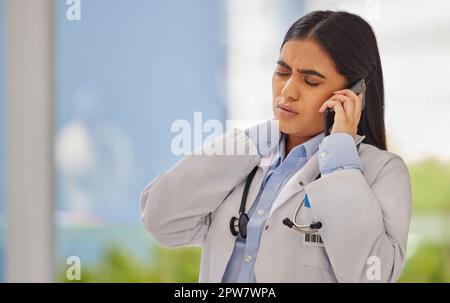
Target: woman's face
point(305, 77)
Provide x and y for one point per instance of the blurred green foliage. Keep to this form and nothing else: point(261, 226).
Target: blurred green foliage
point(431, 262)
point(118, 265)
point(430, 181)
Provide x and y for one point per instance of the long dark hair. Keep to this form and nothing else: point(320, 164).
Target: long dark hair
point(351, 43)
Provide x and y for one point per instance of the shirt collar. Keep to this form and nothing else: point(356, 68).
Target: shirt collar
point(304, 150)
point(310, 147)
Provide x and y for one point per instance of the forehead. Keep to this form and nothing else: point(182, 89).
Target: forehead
point(307, 54)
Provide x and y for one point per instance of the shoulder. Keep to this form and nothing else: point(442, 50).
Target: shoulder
point(378, 162)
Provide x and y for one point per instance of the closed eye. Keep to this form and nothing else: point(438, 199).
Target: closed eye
point(282, 74)
point(311, 83)
point(307, 81)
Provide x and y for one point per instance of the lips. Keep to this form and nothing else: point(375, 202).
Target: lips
point(286, 108)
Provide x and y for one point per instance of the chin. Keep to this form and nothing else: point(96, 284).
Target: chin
point(290, 126)
point(297, 128)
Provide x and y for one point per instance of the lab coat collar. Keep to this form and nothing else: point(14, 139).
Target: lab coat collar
point(272, 147)
point(359, 139)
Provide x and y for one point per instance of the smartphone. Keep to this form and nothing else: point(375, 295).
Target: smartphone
point(358, 88)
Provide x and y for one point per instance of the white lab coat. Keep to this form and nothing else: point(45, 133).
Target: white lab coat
point(365, 216)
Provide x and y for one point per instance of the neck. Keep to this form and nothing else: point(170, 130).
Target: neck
point(292, 141)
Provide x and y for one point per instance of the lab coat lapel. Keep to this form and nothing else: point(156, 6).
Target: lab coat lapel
point(258, 179)
point(297, 182)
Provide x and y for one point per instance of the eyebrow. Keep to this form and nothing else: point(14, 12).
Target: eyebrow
point(302, 71)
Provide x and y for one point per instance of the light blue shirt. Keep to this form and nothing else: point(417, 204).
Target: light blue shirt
point(336, 151)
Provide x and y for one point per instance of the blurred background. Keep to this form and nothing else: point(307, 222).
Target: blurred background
point(89, 91)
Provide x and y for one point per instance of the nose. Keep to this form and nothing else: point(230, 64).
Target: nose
point(289, 91)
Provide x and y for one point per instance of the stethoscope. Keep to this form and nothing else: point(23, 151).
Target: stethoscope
point(238, 225)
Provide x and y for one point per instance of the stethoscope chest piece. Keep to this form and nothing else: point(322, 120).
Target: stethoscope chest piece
point(308, 228)
point(239, 225)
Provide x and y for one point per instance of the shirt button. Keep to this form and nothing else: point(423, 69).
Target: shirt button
point(248, 259)
point(261, 212)
point(267, 226)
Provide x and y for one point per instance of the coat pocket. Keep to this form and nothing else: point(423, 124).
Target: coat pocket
point(315, 256)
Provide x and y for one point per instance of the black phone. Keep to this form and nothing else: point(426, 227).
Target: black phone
point(358, 88)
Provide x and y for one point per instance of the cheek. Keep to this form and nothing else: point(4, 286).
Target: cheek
point(313, 101)
point(311, 111)
point(317, 104)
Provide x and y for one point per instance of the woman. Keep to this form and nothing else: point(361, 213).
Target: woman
point(362, 200)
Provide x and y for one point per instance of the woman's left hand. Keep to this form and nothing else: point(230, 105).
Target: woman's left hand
point(347, 107)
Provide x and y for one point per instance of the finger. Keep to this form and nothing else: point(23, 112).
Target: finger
point(357, 98)
point(347, 92)
point(357, 102)
point(326, 104)
point(348, 104)
point(335, 105)
point(339, 110)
